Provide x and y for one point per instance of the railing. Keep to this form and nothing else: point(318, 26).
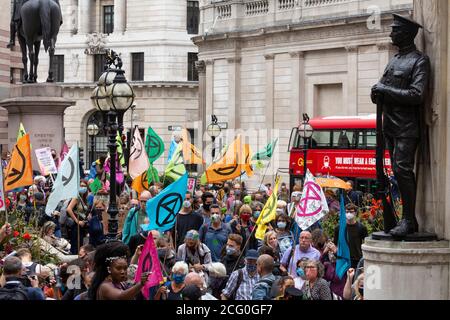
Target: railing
point(255, 8)
point(318, 3)
point(224, 11)
point(286, 4)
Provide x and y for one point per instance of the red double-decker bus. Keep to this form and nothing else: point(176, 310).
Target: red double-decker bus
point(340, 146)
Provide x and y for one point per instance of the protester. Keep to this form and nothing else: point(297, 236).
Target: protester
point(135, 217)
point(48, 234)
point(97, 223)
point(5, 231)
point(356, 233)
point(244, 227)
point(166, 253)
point(204, 211)
point(283, 193)
point(303, 249)
point(172, 290)
point(262, 289)
point(14, 287)
point(77, 220)
point(284, 235)
point(217, 279)
point(111, 272)
point(300, 278)
point(186, 220)
point(241, 282)
point(284, 283)
point(215, 234)
point(232, 258)
point(196, 254)
point(193, 278)
point(315, 287)
point(271, 241)
point(31, 267)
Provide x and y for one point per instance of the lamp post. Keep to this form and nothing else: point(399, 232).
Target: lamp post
point(92, 131)
point(113, 95)
point(305, 131)
point(213, 131)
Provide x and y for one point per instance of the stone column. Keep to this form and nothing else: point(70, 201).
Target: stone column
point(298, 85)
point(120, 13)
point(209, 91)
point(201, 68)
point(234, 92)
point(270, 64)
point(40, 107)
point(84, 16)
point(352, 80)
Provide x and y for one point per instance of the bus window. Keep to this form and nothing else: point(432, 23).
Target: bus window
point(367, 139)
point(344, 139)
point(321, 139)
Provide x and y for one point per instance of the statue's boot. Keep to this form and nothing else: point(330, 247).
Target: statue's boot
point(403, 228)
point(10, 44)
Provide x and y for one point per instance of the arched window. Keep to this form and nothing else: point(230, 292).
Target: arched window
point(97, 145)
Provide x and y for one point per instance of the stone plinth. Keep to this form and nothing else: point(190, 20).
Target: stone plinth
point(406, 270)
point(40, 107)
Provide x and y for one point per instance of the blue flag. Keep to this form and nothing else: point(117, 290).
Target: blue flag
point(343, 262)
point(173, 147)
point(67, 183)
point(163, 209)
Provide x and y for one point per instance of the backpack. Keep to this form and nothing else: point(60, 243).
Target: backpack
point(270, 287)
point(13, 293)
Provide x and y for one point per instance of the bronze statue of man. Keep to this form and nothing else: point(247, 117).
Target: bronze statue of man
point(15, 22)
point(402, 91)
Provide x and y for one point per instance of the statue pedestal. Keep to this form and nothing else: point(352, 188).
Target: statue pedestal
point(406, 270)
point(40, 107)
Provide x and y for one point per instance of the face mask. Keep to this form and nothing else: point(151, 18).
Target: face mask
point(251, 268)
point(281, 225)
point(301, 272)
point(23, 198)
point(350, 216)
point(231, 251)
point(178, 278)
point(256, 214)
point(186, 204)
point(215, 217)
point(162, 253)
point(83, 190)
point(206, 206)
point(245, 217)
point(98, 212)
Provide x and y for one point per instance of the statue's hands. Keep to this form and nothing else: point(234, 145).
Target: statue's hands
point(377, 90)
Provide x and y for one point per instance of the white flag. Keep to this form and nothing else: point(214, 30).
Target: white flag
point(138, 156)
point(313, 204)
point(67, 182)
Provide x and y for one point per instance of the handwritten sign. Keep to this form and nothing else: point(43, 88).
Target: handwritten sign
point(191, 184)
point(46, 162)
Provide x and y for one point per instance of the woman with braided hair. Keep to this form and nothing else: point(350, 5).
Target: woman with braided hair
point(111, 266)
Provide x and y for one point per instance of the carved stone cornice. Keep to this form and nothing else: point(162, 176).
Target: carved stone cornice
point(234, 60)
point(269, 56)
point(385, 46)
point(351, 49)
point(297, 54)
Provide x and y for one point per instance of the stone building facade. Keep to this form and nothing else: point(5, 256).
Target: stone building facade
point(153, 40)
point(265, 62)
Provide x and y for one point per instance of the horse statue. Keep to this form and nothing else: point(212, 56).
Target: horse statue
point(40, 20)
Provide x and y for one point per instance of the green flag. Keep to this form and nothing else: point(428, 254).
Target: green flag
point(267, 153)
point(176, 169)
point(154, 145)
point(120, 150)
point(152, 175)
point(203, 179)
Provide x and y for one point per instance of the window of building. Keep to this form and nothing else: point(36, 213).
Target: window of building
point(99, 66)
point(192, 70)
point(58, 68)
point(108, 19)
point(137, 63)
point(193, 14)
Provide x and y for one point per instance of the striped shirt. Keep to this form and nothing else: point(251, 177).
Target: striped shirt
point(246, 287)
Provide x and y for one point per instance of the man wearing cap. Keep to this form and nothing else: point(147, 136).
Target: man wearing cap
point(241, 282)
point(402, 91)
point(196, 254)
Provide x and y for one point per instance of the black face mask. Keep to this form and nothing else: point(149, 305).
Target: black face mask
point(207, 206)
point(162, 253)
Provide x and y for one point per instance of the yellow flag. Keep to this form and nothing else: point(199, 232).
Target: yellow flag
point(191, 154)
point(268, 213)
point(19, 172)
point(230, 166)
point(176, 168)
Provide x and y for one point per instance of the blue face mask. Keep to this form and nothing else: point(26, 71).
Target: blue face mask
point(83, 190)
point(256, 214)
point(178, 278)
point(231, 251)
point(300, 272)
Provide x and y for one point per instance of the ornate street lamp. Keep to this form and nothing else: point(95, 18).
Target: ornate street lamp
point(92, 130)
point(115, 96)
point(305, 131)
point(213, 130)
